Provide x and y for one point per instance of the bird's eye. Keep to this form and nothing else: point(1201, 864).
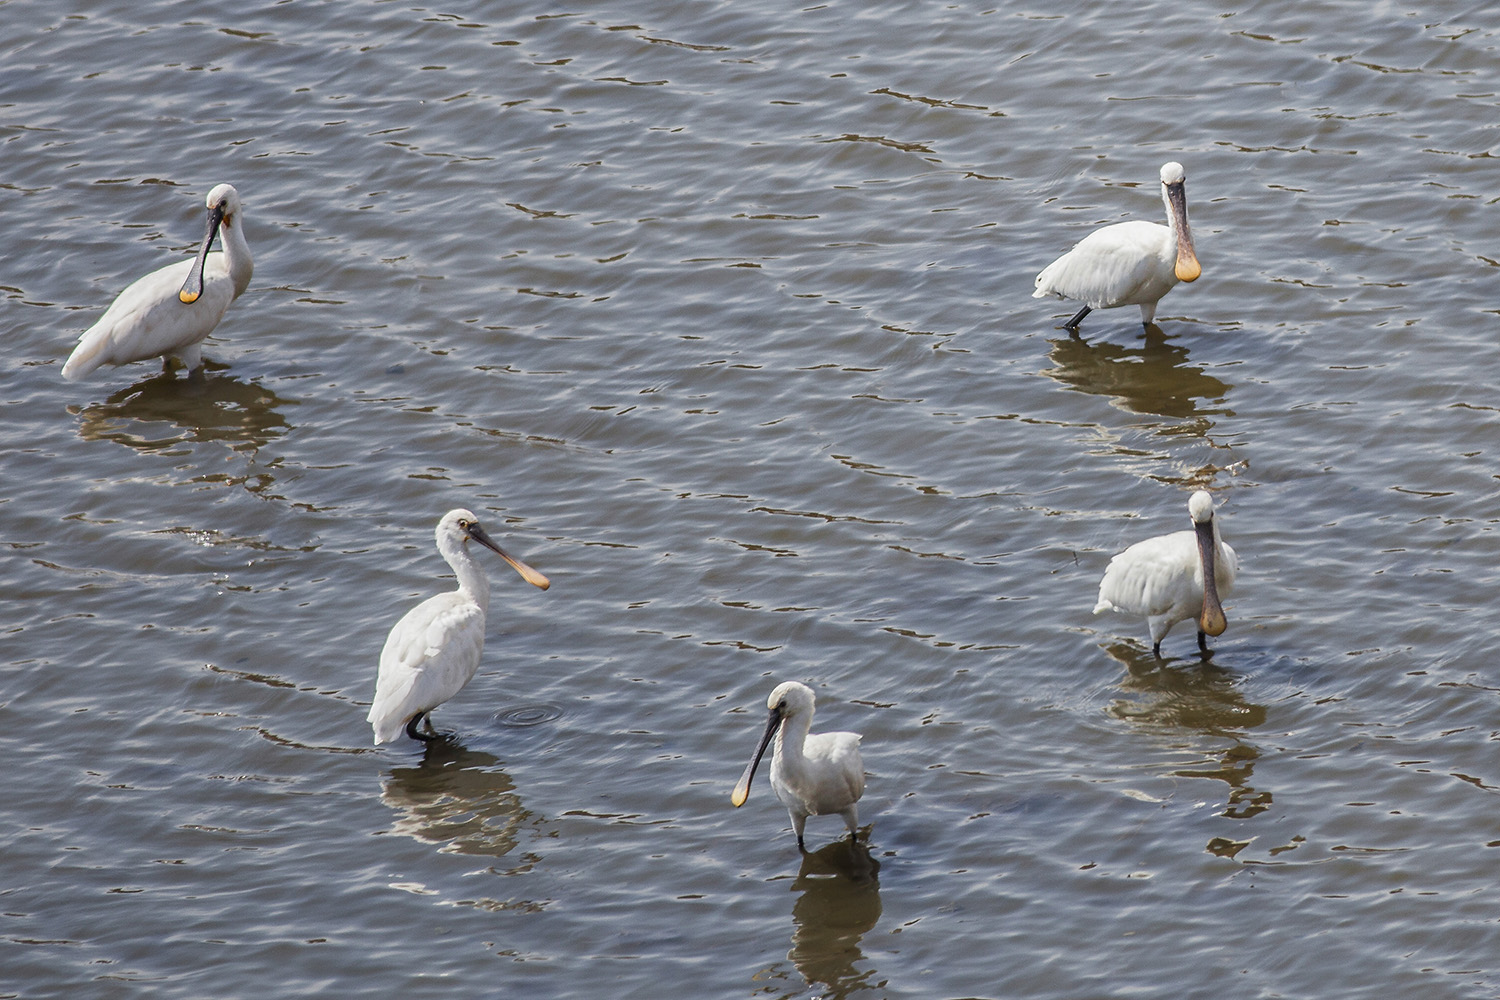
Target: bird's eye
point(466, 524)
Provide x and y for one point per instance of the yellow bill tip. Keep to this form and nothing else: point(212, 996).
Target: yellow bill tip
point(1187, 269)
point(740, 794)
point(528, 574)
point(187, 297)
point(1213, 622)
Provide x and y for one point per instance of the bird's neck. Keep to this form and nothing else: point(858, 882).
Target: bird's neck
point(471, 579)
point(236, 254)
point(791, 736)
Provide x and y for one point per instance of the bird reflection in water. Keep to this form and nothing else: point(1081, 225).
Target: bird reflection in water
point(460, 800)
point(162, 412)
point(1154, 378)
point(1204, 699)
point(1201, 697)
point(838, 904)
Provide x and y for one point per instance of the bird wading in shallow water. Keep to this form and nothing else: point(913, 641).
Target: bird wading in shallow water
point(1171, 578)
point(434, 649)
point(167, 313)
point(813, 775)
point(1128, 263)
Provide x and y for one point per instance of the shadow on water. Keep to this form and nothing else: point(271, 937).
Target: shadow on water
point(459, 799)
point(839, 903)
point(1153, 378)
point(164, 411)
point(1184, 692)
point(1192, 693)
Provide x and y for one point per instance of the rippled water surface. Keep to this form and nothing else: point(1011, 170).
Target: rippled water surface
point(719, 314)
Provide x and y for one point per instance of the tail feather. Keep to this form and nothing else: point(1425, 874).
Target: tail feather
point(86, 357)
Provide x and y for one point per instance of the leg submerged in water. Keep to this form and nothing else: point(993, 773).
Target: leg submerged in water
point(416, 734)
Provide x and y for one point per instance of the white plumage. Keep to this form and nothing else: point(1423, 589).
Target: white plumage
point(433, 651)
point(169, 311)
point(1129, 263)
point(1163, 577)
point(813, 775)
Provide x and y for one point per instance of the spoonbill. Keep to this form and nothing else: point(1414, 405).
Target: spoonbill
point(433, 651)
point(1171, 578)
point(167, 313)
point(812, 775)
point(1129, 263)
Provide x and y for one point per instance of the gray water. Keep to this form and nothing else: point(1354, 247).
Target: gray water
point(719, 314)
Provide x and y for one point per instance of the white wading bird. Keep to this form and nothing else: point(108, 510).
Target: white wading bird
point(812, 775)
point(168, 312)
point(1171, 578)
point(1128, 263)
point(434, 649)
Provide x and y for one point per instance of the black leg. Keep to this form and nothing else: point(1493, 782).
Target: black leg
point(1072, 324)
point(414, 733)
point(1203, 642)
point(1156, 648)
